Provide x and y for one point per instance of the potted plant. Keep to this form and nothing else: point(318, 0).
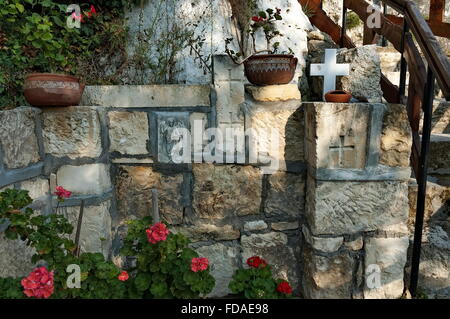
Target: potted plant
point(270, 68)
point(53, 89)
point(338, 96)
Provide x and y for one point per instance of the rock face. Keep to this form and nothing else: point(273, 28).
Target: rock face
point(327, 277)
point(224, 262)
point(390, 255)
point(95, 235)
point(225, 191)
point(16, 258)
point(349, 207)
point(128, 132)
point(85, 179)
point(274, 249)
point(365, 73)
point(18, 137)
point(286, 195)
point(133, 190)
point(396, 139)
point(72, 132)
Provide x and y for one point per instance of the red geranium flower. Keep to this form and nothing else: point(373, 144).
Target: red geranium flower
point(92, 11)
point(77, 17)
point(62, 193)
point(284, 288)
point(256, 261)
point(39, 283)
point(157, 232)
point(199, 264)
point(123, 276)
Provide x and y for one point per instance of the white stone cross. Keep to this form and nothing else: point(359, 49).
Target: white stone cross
point(330, 70)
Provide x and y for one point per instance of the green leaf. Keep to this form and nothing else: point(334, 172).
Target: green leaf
point(20, 7)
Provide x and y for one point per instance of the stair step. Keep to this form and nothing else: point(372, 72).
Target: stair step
point(439, 158)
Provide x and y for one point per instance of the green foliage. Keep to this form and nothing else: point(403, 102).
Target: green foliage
point(352, 20)
point(255, 283)
point(10, 288)
point(34, 37)
point(163, 269)
point(49, 236)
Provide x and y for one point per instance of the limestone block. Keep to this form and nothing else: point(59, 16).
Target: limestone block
point(128, 132)
point(172, 95)
point(323, 244)
point(390, 255)
point(224, 262)
point(337, 208)
point(255, 225)
point(72, 132)
point(37, 187)
point(286, 195)
point(133, 190)
point(205, 231)
point(274, 249)
point(278, 130)
point(15, 258)
point(95, 234)
point(272, 93)
point(282, 226)
point(230, 95)
point(327, 277)
point(396, 138)
point(336, 136)
point(226, 190)
point(17, 137)
point(85, 179)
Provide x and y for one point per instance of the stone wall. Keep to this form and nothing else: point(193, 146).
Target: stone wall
point(319, 229)
point(112, 153)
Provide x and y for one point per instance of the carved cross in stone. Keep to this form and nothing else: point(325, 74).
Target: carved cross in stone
point(341, 149)
point(330, 70)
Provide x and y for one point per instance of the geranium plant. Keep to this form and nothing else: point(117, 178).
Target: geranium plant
point(265, 21)
point(164, 265)
point(257, 282)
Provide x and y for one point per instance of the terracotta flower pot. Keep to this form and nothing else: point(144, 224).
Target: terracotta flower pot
point(46, 89)
point(270, 69)
point(338, 96)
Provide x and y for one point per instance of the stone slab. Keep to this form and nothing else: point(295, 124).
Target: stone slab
point(147, 95)
point(337, 208)
point(272, 93)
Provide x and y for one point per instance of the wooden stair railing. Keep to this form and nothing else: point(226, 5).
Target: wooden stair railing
point(423, 75)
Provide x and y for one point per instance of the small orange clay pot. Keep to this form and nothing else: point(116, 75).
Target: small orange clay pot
point(46, 89)
point(338, 96)
point(270, 69)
